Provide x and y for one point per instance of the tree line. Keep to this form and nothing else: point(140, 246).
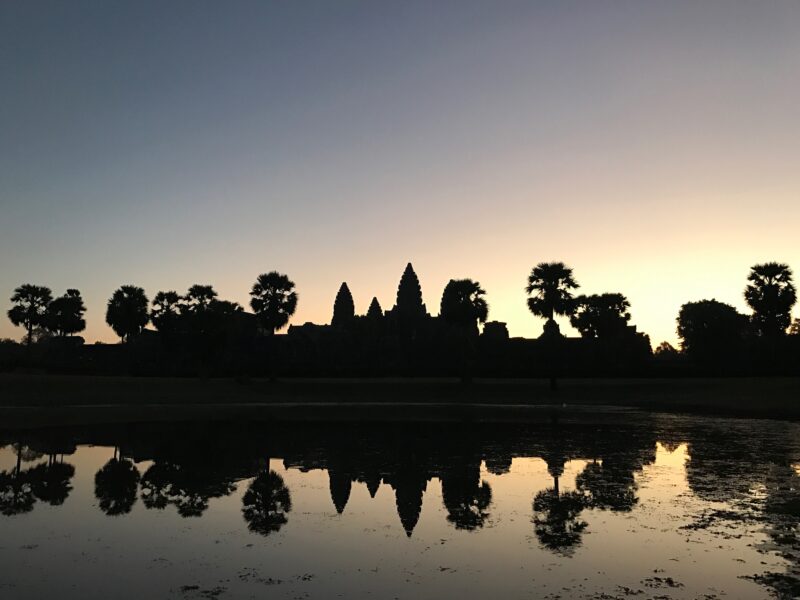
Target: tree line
point(199, 319)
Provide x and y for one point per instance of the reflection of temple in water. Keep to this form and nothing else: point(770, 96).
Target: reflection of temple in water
point(183, 467)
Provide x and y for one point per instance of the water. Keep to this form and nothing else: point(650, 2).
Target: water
point(617, 505)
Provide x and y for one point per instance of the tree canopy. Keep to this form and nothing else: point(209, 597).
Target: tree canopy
point(463, 304)
point(273, 300)
point(550, 288)
point(65, 314)
point(771, 294)
point(166, 311)
point(601, 315)
point(30, 307)
point(709, 328)
point(127, 311)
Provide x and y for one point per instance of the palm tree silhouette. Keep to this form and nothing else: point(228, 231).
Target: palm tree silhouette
point(116, 485)
point(30, 307)
point(549, 286)
point(127, 311)
point(557, 521)
point(464, 305)
point(16, 490)
point(65, 314)
point(166, 311)
point(273, 300)
point(50, 481)
point(771, 294)
point(199, 297)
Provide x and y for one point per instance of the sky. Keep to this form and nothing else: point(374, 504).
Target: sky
point(652, 146)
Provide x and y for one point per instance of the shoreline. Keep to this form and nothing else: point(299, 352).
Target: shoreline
point(31, 399)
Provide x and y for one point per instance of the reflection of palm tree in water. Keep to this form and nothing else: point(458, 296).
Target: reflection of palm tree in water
point(116, 485)
point(51, 481)
point(556, 515)
point(266, 503)
point(466, 497)
point(16, 491)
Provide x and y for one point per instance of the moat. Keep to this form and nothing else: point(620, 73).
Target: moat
point(620, 504)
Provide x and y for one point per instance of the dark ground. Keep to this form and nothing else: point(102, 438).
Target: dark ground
point(35, 399)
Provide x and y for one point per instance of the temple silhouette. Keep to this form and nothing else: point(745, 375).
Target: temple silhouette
point(199, 334)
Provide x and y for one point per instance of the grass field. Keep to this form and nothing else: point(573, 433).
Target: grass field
point(31, 398)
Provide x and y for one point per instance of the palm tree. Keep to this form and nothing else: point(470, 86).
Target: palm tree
point(273, 300)
point(199, 297)
point(127, 311)
point(116, 485)
point(167, 308)
point(65, 314)
point(464, 305)
point(30, 307)
point(771, 294)
point(549, 286)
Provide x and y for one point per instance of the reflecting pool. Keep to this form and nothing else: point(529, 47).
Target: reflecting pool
point(618, 505)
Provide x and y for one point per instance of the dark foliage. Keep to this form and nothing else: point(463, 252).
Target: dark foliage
point(771, 294)
point(550, 286)
point(30, 307)
point(711, 330)
point(601, 316)
point(65, 314)
point(127, 312)
point(273, 300)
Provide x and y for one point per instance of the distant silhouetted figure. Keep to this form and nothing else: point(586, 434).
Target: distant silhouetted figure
point(266, 503)
point(65, 314)
point(30, 308)
point(116, 485)
point(273, 300)
point(601, 315)
point(771, 294)
point(127, 311)
point(344, 310)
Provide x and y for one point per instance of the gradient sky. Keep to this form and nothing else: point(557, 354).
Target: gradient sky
point(653, 146)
